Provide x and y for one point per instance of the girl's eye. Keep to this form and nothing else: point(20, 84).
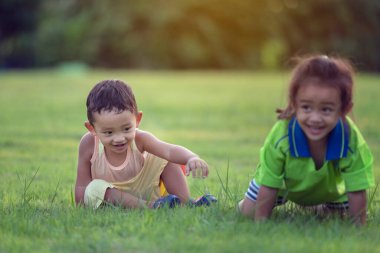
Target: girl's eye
point(107, 133)
point(327, 110)
point(305, 107)
point(126, 129)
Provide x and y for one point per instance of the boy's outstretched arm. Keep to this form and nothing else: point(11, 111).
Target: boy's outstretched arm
point(197, 166)
point(145, 141)
point(358, 206)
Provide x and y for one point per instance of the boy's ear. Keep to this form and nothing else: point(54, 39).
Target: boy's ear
point(138, 118)
point(89, 127)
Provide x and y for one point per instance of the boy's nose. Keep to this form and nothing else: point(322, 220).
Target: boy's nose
point(119, 138)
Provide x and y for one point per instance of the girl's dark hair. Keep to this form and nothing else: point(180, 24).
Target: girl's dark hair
point(110, 95)
point(322, 70)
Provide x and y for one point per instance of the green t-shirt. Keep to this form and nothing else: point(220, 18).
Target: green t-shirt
point(286, 164)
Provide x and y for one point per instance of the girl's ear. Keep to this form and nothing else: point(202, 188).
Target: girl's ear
point(348, 108)
point(89, 127)
point(138, 118)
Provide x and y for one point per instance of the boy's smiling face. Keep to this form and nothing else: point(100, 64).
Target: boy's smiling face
point(116, 130)
point(318, 109)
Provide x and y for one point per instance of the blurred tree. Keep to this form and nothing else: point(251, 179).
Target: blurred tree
point(186, 34)
point(63, 32)
point(218, 34)
point(341, 27)
point(18, 22)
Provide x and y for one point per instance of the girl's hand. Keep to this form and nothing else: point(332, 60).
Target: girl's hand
point(197, 166)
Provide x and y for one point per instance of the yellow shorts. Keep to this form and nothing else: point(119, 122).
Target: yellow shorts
point(95, 191)
point(146, 185)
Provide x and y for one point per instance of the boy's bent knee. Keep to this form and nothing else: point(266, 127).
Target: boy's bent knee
point(95, 191)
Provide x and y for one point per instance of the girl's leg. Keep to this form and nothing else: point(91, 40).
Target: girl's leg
point(175, 181)
point(328, 209)
point(339, 209)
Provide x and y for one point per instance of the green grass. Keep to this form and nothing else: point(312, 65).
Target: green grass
point(222, 116)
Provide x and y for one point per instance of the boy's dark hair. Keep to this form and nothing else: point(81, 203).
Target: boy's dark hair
point(109, 95)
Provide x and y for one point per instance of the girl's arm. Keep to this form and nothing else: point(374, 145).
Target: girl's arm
point(173, 153)
point(86, 148)
point(358, 206)
point(266, 198)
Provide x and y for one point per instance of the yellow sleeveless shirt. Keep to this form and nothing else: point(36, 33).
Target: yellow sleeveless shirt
point(139, 174)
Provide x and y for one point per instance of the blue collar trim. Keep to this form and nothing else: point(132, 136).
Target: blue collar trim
point(337, 143)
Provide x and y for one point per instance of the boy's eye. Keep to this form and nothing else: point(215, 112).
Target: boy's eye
point(327, 110)
point(107, 132)
point(127, 129)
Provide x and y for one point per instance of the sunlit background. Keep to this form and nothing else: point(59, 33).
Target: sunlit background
point(186, 34)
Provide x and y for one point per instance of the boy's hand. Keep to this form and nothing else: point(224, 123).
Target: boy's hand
point(197, 166)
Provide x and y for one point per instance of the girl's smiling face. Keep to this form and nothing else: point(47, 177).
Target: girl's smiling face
point(318, 109)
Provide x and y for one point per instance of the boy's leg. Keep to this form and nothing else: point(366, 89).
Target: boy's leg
point(175, 181)
point(95, 192)
point(100, 191)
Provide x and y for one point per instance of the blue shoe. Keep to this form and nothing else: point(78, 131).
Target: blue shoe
point(205, 200)
point(170, 200)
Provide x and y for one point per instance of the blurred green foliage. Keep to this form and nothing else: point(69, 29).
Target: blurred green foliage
point(186, 34)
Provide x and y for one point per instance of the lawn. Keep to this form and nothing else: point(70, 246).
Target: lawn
point(222, 116)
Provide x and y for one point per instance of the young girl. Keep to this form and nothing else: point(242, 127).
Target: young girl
point(123, 165)
point(315, 154)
